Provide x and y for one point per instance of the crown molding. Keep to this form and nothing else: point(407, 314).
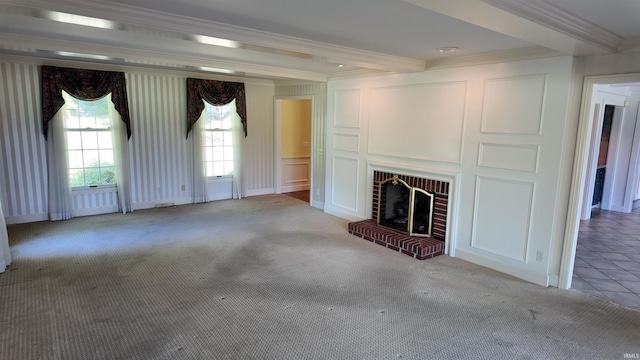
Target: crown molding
point(544, 13)
point(630, 45)
point(531, 53)
point(358, 73)
point(137, 16)
point(139, 69)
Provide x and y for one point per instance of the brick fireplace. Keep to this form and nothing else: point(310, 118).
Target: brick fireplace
point(419, 247)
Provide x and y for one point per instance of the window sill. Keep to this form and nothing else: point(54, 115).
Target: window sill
point(93, 190)
point(224, 178)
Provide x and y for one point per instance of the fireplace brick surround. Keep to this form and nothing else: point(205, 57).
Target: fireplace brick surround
point(418, 247)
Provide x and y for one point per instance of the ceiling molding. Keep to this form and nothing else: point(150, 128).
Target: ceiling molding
point(156, 58)
point(39, 61)
point(352, 74)
point(531, 53)
point(544, 13)
point(630, 45)
point(156, 19)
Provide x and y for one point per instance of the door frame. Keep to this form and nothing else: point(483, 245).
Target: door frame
point(599, 100)
point(277, 118)
point(580, 168)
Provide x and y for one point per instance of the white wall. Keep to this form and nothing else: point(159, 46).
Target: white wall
point(501, 132)
point(160, 153)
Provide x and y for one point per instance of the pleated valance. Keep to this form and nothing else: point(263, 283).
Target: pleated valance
point(216, 93)
point(84, 85)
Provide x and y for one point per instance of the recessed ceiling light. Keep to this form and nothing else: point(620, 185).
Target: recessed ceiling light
point(340, 65)
point(80, 20)
point(447, 49)
point(210, 40)
point(216, 70)
point(85, 56)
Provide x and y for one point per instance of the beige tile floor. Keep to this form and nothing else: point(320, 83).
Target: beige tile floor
point(607, 263)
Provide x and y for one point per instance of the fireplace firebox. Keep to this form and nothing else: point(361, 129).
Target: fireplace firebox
point(405, 208)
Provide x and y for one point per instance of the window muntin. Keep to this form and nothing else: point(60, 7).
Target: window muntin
point(89, 142)
point(218, 143)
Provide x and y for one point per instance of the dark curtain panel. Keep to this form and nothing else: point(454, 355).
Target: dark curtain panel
point(84, 85)
point(216, 93)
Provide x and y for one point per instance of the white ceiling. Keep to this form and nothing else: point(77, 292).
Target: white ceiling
point(297, 39)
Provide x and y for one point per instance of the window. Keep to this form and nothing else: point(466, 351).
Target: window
point(218, 147)
point(89, 142)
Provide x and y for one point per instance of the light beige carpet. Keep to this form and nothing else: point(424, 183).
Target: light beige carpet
point(269, 277)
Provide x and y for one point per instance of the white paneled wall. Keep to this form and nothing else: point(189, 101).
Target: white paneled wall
point(318, 92)
point(500, 129)
point(160, 153)
point(23, 164)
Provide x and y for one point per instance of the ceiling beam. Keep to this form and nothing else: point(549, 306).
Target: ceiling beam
point(126, 14)
point(534, 21)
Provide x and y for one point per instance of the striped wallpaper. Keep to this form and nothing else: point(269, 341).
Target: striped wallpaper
point(159, 151)
point(23, 165)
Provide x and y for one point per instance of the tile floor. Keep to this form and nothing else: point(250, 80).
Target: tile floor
point(607, 261)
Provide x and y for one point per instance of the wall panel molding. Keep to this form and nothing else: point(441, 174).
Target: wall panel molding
point(346, 142)
point(519, 157)
point(418, 121)
point(345, 171)
point(502, 216)
point(347, 105)
point(522, 113)
point(297, 174)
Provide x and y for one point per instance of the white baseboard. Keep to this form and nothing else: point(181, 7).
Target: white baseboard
point(258, 192)
point(335, 211)
point(524, 274)
point(22, 219)
point(153, 204)
point(317, 204)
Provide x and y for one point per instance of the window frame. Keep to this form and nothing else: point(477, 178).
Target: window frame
point(229, 130)
point(80, 130)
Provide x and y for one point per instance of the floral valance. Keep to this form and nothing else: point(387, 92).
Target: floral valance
point(215, 93)
point(84, 85)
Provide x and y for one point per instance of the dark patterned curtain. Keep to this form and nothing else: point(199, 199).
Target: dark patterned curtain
point(84, 85)
point(216, 93)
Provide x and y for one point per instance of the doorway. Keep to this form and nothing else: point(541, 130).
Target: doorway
point(293, 146)
point(584, 173)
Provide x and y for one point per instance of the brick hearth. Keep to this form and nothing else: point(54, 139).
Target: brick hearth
point(418, 247)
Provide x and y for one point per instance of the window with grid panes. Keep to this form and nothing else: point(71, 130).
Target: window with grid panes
point(218, 146)
point(89, 142)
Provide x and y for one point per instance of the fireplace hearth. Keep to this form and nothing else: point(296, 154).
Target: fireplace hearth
point(409, 215)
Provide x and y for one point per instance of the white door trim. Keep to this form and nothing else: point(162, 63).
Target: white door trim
point(580, 165)
point(278, 138)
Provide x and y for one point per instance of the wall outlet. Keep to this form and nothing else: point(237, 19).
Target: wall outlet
point(539, 256)
point(305, 144)
point(182, 187)
point(317, 192)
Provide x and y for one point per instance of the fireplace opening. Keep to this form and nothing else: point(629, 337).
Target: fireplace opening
point(405, 208)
